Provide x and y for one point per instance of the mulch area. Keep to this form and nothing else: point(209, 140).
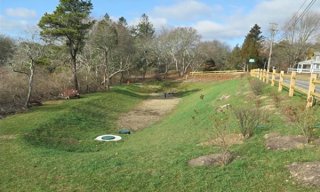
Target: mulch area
point(218, 159)
point(306, 173)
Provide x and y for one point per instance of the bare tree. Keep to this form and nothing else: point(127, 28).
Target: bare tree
point(27, 55)
point(108, 46)
point(298, 34)
point(180, 44)
point(213, 54)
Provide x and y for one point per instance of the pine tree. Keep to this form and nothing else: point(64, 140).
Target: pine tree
point(145, 29)
point(235, 58)
point(69, 21)
point(252, 45)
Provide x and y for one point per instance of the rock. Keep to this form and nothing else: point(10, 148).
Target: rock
point(124, 131)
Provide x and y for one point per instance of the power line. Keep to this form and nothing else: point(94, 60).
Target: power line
point(297, 12)
point(305, 11)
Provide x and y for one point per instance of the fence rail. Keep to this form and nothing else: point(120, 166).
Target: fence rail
point(209, 72)
point(278, 78)
point(303, 70)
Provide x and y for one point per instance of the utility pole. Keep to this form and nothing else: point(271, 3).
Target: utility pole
point(273, 29)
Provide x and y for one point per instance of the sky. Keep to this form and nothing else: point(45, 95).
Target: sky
point(228, 21)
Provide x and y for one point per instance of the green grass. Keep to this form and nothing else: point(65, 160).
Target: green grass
point(55, 151)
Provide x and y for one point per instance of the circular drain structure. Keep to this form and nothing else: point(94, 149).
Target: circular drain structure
point(108, 138)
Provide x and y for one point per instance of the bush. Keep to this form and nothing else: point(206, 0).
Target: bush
point(276, 98)
point(221, 125)
point(306, 121)
point(256, 86)
point(248, 120)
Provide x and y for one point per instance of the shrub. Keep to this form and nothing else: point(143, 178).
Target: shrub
point(248, 119)
point(256, 86)
point(306, 121)
point(276, 98)
point(292, 113)
point(221, 127)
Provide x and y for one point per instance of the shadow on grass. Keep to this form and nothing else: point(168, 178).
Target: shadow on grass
point(130, 93)
point(179, 94)
point(186, 93)
point(49, 108)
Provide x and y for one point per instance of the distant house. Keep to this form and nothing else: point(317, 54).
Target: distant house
point(308, 66)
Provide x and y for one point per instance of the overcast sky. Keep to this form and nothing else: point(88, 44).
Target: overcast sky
point(225, 20)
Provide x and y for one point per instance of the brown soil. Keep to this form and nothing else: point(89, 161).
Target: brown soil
point(276, 142)
point(230, 139)
point(307, 173)
point(148, 112)
point(213, 159)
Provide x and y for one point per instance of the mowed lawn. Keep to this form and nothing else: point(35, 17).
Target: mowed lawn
point(52, 148)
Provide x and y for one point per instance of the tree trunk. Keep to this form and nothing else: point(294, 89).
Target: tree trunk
point(74, 71)
point(176, 62)
point(108, 84)
point(30, 84)
point(87, 84)
point(121, 77)
point(106, 71)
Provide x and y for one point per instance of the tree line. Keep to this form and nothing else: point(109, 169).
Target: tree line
point(72, 50)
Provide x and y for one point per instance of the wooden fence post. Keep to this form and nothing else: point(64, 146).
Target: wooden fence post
point(267, 76)
point(292, 83)
point(273, 77)
point(312, 88)
point(258, 73)
point(260, 77)
point(281, 81)
point(264, 75)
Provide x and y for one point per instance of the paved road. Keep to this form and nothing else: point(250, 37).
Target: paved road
point(302, 84)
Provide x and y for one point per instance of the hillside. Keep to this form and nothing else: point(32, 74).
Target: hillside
point(52, 148)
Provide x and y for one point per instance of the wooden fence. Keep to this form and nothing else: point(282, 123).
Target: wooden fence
point(278, 79)
point(214, 75)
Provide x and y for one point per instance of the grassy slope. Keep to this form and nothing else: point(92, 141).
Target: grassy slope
point(154, 159)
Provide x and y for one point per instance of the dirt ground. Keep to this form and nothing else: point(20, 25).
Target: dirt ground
point(275, 141)
point(307, 173)
point(212, 159)
point(148, 112)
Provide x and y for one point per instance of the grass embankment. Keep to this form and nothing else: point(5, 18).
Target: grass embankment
point(51, 148)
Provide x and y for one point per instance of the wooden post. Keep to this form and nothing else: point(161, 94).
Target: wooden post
point(312, 88)
point(281, 81)
point(292, 83)
point(264, 75)
point(260, 74)
point(273, 77)
point(267, 76)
